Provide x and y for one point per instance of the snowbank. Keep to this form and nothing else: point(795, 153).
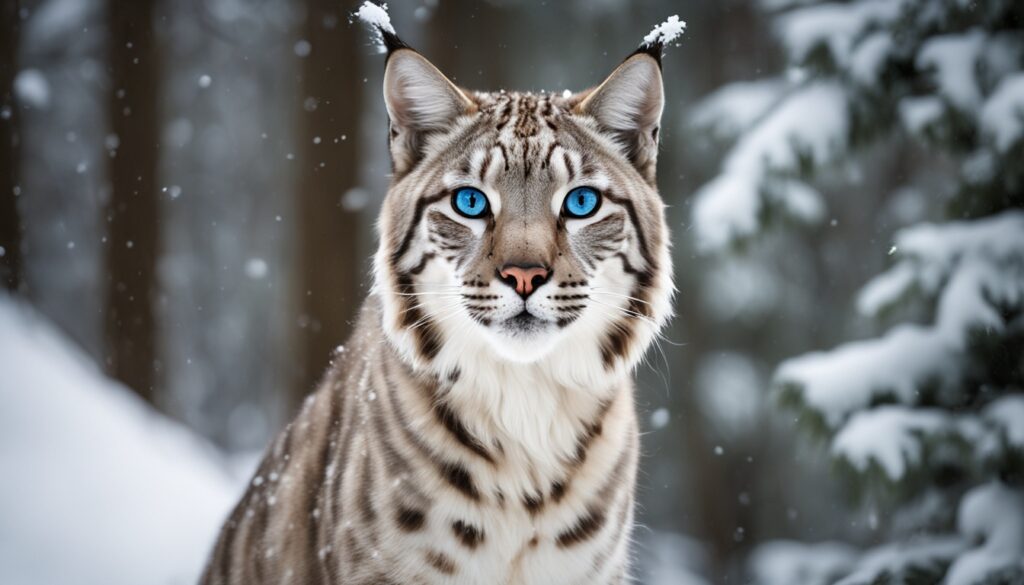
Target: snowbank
point(98, 489)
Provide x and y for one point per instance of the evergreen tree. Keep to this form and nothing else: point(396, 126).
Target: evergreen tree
point(926, 420)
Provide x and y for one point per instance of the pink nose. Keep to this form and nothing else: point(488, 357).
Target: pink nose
point(525, 279)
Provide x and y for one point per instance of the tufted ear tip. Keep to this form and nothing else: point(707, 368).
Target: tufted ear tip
point(660, 36)
point(654, 50)
point(374, 14)
point(391, 41)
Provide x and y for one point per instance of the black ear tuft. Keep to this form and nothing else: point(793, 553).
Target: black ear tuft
point(654, 48)
point(374, 15)
point(391, 41)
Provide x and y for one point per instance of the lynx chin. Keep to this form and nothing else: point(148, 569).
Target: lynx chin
point(479, 428)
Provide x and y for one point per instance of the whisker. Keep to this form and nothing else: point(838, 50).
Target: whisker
point(629, 312)
point(451, 312)
point(607, 292)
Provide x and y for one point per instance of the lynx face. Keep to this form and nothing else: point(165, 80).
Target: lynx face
point(522, 225)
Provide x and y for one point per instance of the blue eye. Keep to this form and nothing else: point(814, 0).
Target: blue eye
point(469, 202)
point(581, 202)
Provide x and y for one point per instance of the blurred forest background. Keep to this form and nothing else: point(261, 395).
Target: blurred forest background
point(188, 189)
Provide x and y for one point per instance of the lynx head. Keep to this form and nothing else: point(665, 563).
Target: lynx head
point(523, 227)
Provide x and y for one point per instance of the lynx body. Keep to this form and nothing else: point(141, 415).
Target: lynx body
point(479, 427)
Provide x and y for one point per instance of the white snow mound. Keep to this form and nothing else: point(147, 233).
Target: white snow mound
point(98, 489)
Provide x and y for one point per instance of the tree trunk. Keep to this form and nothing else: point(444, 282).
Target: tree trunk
point(11, 276)
point(329, 269)
point(133, 229)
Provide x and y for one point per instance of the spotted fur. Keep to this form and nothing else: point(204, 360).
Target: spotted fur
point(466, 434)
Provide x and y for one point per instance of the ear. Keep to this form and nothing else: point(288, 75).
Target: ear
point(628, 105)
point(420, 101)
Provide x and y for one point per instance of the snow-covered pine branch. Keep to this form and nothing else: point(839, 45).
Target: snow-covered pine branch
point(930, 413)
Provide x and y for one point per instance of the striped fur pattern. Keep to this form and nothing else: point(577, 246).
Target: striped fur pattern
point(466, 435)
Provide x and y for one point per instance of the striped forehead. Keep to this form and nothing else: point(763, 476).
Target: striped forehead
point(542, 160)
point(521, 137)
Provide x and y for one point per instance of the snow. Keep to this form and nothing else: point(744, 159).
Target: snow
point(1007, 414)
point(868, 58)
point(852, 376)
point(993, 515)
point(744, 288)
point(968, 301)
point(784, 562)
point(671, 559)
point(302, 48)
point(886, 289)
point(887, 436)
point(666, 32)
point(376, 17)
point(735, 107)
point(996, 237)
point(834, 25)
point(726, 209)
point(954, 58)
point(660, 418)
point(1002, 116)
point(730, 392)
point(970, 265)
point(811, 123)
point(98, 489)
point(800, 200)
point(54, 22)
point(32, 89)
point(256, 268)
point(918, 113)
point(889, 562)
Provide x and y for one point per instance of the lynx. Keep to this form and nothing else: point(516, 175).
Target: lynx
point(479, 426)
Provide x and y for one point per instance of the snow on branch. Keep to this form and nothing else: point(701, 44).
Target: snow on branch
point(893, 561)
point(736, 107)
point(834, 25)
point(851, 377)
point(1006, 415)
point(931, 253)
point(809, 125)
point(991, 514)
point(953, 59)
point(1002, 117)
point(972, 266)
point(888, 436)
point(785, 562)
